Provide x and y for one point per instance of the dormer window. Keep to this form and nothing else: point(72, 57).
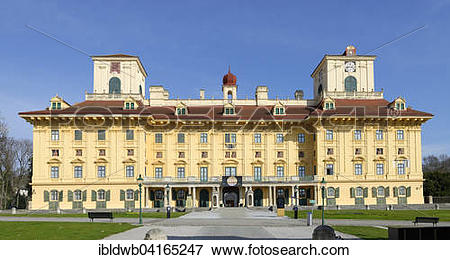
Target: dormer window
point(328, 104)
point(398, 104)
point(228, 109)
point(279, 109)
point(57, 103)
point(181, 111)
point(129, 104)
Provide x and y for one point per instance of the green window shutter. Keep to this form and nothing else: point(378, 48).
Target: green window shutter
point(336, 195)
point(122, 195)
point(136, 195)
point(85, 195)
point(94, 195)
point(366, 192)
point(108, 195)
point(352, 192)
point(374, 192)
point(395, 191)
point(46, 196)
point(152, 195)
point(408, 192)
point(69, 195)
point(61, 193)
point(386, 192)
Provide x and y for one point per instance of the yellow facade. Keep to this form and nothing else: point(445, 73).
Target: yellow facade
point(89, 155)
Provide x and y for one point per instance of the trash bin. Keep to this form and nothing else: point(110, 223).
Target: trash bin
point(309, 218)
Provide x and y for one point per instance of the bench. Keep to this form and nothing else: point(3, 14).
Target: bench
point(426, 220)
point(93, 215)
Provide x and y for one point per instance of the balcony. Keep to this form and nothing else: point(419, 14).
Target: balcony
point(218, 180)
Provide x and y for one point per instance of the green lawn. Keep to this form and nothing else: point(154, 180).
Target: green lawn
point(364, 232)
point(116, 215)
point(59, 230)
point(443, 215)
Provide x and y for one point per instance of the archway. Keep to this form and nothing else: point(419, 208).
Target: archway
point(204, 198)
point(114, 85)
point(230, 199)
point(258, 198)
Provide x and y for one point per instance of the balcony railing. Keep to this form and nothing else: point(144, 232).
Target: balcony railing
point(218, 179)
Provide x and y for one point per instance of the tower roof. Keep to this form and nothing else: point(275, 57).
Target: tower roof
point(229, 78)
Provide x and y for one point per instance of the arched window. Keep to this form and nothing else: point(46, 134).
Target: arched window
point(77, 195)
point(140, 89)
point(114, 85)
point(101, 195)
point(350, 84)
point(181, 195)
point(380, 191)
point(230, 95)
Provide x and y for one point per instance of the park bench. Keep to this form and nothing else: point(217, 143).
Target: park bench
point(93, 215)
point(426, 220)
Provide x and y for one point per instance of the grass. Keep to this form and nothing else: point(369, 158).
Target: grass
point(59, 230)
point(443, 215)
point(364, 232)
point(80, 215)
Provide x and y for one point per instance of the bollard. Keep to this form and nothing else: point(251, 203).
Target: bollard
point(295, 212)
point(436, 206)
point(309, 218)
point(367, 207)
point(13, 210)
point(168, 212)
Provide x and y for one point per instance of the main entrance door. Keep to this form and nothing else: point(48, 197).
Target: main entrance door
point(231, 196)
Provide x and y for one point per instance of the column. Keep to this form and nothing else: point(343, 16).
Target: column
point(293, 196)
point(270, 196)
point(144, 197)
point(169, 196)
point(194, 200)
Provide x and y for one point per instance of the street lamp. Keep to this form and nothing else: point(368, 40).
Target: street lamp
point(168, 201)
point(140, 180)
point(322, 185)
point(296, 195)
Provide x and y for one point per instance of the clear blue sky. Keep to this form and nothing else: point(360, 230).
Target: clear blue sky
point(187, 45)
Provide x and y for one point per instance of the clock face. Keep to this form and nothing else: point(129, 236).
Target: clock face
point(350, 66)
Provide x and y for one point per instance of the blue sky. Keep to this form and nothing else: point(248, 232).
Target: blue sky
point(188, 45)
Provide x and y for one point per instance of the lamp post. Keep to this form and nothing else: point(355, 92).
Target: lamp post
point(296, 195)
point(140, 180)
point(168, 200)
point(322, 185)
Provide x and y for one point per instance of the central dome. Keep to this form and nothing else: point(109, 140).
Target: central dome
point(229, 78)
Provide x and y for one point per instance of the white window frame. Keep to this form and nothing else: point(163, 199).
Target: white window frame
point(257, 173)
point(181, 172)
point(357, 134)
point(329, 135)
point(279, 138)
point(331, 167)
point(280, 171)
point(55, 135)
point(203, 173)
point(401, 168)
point(379, 134)
point(400, 135)
point(129, 171)
point(158, 138)
point(101, 171)
point(257, 138)
point(78, 171)
point(158, 172)
point(203, 138)
point(358, 169)
point(301, 138)
point(129, 134)
point(230, 171)
point(54, 172)
point(301, 170)
point(380, 168)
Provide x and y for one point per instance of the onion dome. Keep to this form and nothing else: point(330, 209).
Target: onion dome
point(229, 78)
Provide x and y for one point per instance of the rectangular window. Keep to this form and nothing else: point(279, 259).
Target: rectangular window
point(180, 154)
point(180, 172)
point(180, 138)
point(230, 138)
point(78, 172)
point(158, 138)
point(54, 172)
point(401, 168)
point(280, 138)
point(257, 173)
point(55, 152)
point(401, 151)
point(54, 195)
point(301, 138)
point(233, 154)
point(158, 172)
point(330, 169)
point(78, 152)
point(301, 154)
point(101, 135)
point(258, 154)
point(257, 138)
point(130, 171)
point(301, 171)
point(329, 135)
point(204, 138)
point(101, 171)
point(357, 134)
point(280, 171)
point(229, 111)
point(380, 168)
point(130, 134)
point(203, 174)
point(102, 152)
point(280, 154)
point(204, 154)
point(55, 135)
point(379, 151)
point(159, 154)
point(357, 151)
point(130, 152)
point(358, 169)
point(379, 134)
point(230, 171)
point(400, 135)
point(330, 151)
point(78, 135)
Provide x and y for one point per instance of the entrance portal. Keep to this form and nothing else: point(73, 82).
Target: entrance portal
point(230, 196)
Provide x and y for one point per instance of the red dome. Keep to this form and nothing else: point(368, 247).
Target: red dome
point(229, 78)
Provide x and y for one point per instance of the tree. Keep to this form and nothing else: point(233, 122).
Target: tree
point(436, 172)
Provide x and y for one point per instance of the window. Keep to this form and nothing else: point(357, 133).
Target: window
point(330, 151)
point(129, 134)
point(203, 173)
point(301, 154)
point(279, 138)
point(257, 138)
point(158, 172)
point(257, 173)
point(78, 135)
point(229, 111)
point(181, 111)
point(130, 171)
point(159, 195)
point(400, 135)
point(301, 138)
point(114, 85)
point(379, 151)
point(358, 169)
point(54, 195)
point(401, 168)
point(55, 152)
point(158, 138)
point(357, 134)
point(77, 195)
point(180, 138)
point(257, 154)
point(55, 135)
point(379, 134)
point(130, 194)
point(204, 154)
point(380, 168)
point(78, 152)
point(280, 154)
point(180, 154)
point(130, 152)
point(359, 192)
point(401, 151)
point(203, 138)
point(180, 172)
point(402, 191)
point(129, 105)
point(230, 138)
point(54, 172)
point(227, 154)
point(78, 172)
point(102, 152)
point(331, 192)
point(357, 151)
point(101, 171)
point(329, 105)
point(233, 154)
point(301, 171)
point(329, 135)
point(159, 154)
point(329, 169)
point(279, 111)
point(380, 192)
point(280, 171)
point(230, 171)
point(101, 135)
point(350, 84)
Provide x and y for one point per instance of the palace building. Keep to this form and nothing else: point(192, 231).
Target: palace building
point(226, 151)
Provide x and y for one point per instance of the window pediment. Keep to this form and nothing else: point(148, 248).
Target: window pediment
point(54, 161)
point(129, 160)
point(77, 161)
point(101, 160)
point(231, 161)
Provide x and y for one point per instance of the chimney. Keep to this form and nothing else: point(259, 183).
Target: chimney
point(298, 94)
point(261, 95)
point(202, 94)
